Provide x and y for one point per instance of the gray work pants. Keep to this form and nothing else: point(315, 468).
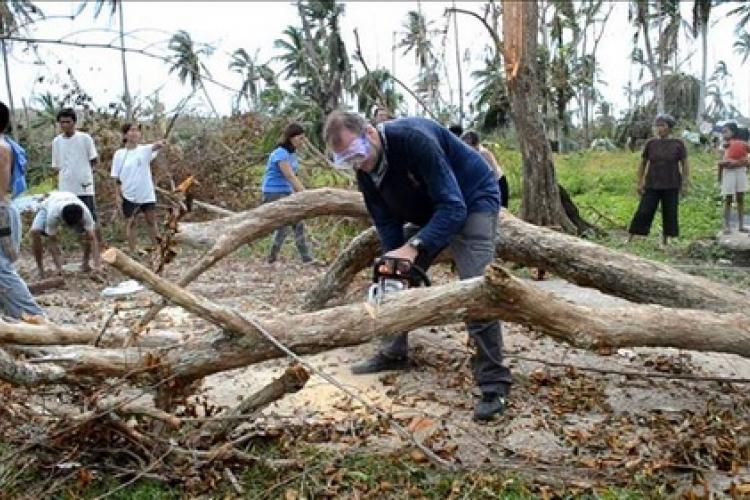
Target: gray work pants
point(280, 234)
point(15, 299)
point(473, 248)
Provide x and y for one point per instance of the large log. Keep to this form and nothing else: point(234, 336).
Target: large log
point(577, 260)
point(255, 223)
point(358, 254)
point(615, 273)
point(497, 295)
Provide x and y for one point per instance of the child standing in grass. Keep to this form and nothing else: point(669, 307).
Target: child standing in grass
point(732, 173)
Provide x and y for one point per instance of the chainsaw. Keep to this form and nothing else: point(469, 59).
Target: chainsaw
point(392, 274)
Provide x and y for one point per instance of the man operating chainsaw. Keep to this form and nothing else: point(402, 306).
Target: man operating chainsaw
point(413, 170)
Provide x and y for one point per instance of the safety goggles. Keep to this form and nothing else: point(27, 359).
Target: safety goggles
point(354, 155)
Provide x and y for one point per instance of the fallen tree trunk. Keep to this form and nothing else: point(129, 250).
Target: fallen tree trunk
point(256, 223)
point(615, 273)
point(497, 295)
point(262, 220)
point(579, 261)
point(44, 333)
point(358, 255)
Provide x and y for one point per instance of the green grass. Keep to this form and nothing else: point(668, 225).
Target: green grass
point(47, 185)
point(328, 474)
point(602, 184)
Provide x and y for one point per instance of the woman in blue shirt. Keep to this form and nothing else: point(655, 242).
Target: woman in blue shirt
point(280, 180)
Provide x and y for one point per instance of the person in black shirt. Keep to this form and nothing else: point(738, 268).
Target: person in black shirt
point(663, 175)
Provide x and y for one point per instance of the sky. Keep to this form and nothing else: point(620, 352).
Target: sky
point(255, 25)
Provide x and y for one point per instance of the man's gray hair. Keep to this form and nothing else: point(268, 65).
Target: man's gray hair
point(338, 121)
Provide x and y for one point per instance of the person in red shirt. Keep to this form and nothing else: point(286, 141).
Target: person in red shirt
point(732, 171)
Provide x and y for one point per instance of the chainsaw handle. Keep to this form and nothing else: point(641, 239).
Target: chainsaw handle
point(421, 275)
point(415, 275)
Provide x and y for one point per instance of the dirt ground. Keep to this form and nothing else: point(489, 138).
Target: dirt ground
point(583, 425)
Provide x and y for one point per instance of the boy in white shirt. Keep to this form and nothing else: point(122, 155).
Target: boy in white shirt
point(74, 155)
point(72, 212)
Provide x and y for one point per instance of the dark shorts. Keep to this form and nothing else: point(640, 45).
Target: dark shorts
point(129, 208)
point(90, 202)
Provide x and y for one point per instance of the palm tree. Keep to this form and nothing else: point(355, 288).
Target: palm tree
point(416, 39)
point(492, 104)
point(742, 11)
point(115, 7)
point(373, 87)
point(742, 46)
point(46, 116)
point(329, 67)
point(14, 16)
point(296, 64)
point(254, 76)
point(186, 61)
point(701, 16)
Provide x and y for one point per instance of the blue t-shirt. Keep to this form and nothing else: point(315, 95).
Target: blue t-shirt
point(274, 180)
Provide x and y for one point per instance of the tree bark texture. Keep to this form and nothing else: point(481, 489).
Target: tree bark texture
point(540, 200)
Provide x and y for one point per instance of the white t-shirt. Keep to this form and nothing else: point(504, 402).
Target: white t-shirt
point(72, 157)
point(133, 168)
point(49, 216)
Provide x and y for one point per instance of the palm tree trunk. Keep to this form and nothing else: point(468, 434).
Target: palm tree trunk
point(208, 99)
point(704, 69)
point(458, 69)
point(126, 88)
point(7, 80)
point(660, 57)
point(585, 92)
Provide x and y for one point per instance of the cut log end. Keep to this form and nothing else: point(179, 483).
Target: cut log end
point(110, 255)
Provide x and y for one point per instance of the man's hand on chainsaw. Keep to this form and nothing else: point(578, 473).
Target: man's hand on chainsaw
point(406, 251)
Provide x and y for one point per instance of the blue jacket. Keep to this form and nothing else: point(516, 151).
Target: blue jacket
point(429, 177)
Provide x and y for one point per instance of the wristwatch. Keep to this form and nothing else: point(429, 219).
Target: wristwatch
point(417, 244)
